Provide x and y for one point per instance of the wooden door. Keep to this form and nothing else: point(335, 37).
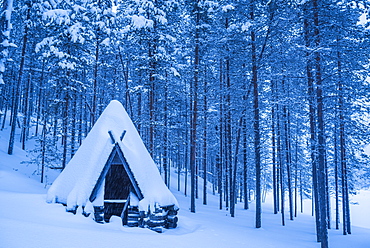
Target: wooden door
point(116, 191)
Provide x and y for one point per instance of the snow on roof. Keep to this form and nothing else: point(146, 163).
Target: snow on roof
point(76, 182)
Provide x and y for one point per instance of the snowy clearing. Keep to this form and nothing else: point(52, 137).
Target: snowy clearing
point(26, 220)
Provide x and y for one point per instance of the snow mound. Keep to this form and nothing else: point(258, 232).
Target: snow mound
point(74, 185)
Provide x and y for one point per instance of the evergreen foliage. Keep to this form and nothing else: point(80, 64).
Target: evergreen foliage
point(250, 96)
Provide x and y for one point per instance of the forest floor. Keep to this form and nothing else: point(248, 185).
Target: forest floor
point(27, 221)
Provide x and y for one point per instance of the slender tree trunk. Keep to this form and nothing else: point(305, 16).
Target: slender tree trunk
point(65, 129)
point(301, 188)
point(95, 83)
point(139, 113)
point(193, 131)
point(187, 143)
point(179, 164)
point(235, 164)
point(274, 174)
point(245, 168)
point(73, 127)
point(80, 119)
point(343, 157)
point(221, 135)
point(312, 114)
point(256, 125)
point(228, 136)
point(4, 118)
point(288, 160)
point(296, 175)
point(281, 168)
point(19, 81)
point(152, 71)
point(327, 192)
point(197, 179)
point(205, 108)
point(26, 112)
point(40, 97)
point(165, 138)
point(336, 176)
point(321, 177)
point(43, 143)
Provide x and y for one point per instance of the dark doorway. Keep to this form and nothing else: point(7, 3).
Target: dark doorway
point(116, 191)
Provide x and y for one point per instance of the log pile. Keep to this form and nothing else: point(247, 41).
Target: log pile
point(161, 217)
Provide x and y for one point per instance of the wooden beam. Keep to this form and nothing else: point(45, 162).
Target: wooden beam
point(129, 172)
point(122, 135)
point(101, 178)
point(111, 137)
point(116, 150)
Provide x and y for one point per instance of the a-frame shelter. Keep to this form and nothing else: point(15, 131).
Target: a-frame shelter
point(115, 175)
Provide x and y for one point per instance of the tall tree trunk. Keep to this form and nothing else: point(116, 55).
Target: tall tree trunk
point(205, 108)
point(288, 159)
point(234, 170)
point(80, 119)
point(73, 127)
point(26, 112)
point(19, 81)
point(139, 112)
point(187, 143)
point(221, 135)
point(336, 174)
point(95, 83)
point(165, 138)
point(5, 116)
point(245, 166)
point(296, 175)
point(40, 97)
point(229, 165)
point(43, 139)
point(194, 105)
point(281, 166)
point(152, 71)
point(321, 176)
point(256, 125)
point(312, 114)
point(343, 157)
point(273, 131)
point(301, 188)
point(65, 120)
point(179, 148)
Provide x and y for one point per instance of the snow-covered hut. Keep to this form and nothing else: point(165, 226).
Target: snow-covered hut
point(112, 173)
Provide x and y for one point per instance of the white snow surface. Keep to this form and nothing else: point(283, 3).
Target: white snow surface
point(75, 184)
point(26, 220)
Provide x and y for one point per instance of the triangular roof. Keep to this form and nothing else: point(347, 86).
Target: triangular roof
point(75, 184)
point(116, 154)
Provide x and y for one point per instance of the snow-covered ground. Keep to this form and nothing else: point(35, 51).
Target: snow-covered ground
point(26, 220)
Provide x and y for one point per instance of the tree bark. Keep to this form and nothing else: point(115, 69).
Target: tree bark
point(165, 138)
point(256, 125)
point(19, 80)
point(95, 83)
point(245, 167)
point(343, 158)
point(194, 114)
point(321, 176)
point(205, 108)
